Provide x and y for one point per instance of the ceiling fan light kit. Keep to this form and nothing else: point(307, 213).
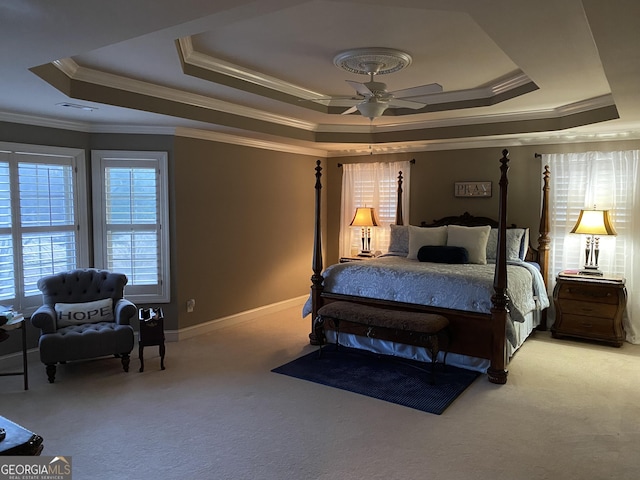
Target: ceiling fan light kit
point(372, 108)
point(373, 97)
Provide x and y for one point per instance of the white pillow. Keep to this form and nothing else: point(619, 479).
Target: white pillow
point(474, 239)
point(90, 312)
point(421, 236)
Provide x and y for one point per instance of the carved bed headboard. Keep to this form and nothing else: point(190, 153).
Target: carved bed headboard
point(465, 220)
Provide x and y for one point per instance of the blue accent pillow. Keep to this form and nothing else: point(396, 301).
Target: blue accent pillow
point(443, 254)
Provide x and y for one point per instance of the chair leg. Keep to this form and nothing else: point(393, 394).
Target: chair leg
point(162, 352)
point(51, 372)
point(125, 361)
point(141, 357)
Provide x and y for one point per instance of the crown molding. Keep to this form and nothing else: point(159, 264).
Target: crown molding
point(207, 62)
point(249, 142)
point(85, 127)
point(76, 72)
point(565, 137)
point(39, 121)
point(581, 106)
point(533, 139)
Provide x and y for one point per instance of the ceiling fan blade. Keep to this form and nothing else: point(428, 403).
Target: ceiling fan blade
point(418, 91)
point(361, 88)
point(343, 102)
point(330, 97)
point(350, 110)
point(400, 103)
point(338, 101)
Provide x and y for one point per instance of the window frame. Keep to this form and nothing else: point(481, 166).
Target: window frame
point(25, 153)
point(100, 160)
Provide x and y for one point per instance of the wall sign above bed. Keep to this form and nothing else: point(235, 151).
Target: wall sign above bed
point(472, 189)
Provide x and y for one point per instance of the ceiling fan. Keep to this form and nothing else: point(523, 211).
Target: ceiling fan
point(373, 98)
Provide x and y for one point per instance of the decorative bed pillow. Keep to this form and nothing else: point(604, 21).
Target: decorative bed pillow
point(89, 312)
point(516, 244)
point(443, 254)
point(421, 236)
point(474, 239)
point(399, 239)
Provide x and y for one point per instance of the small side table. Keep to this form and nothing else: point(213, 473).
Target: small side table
point(151, 333)
point(590, 308)
point(19, 322)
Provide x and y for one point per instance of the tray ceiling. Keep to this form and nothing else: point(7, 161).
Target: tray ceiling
point(515, 71)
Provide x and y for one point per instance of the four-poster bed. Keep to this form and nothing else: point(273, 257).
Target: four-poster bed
point(486, 329)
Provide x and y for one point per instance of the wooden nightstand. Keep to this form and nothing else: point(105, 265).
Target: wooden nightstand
point(590, 308)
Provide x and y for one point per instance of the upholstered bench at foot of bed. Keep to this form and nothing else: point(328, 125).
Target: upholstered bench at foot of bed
point(426, 325)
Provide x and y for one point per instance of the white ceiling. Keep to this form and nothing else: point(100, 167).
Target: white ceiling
point(548, 70)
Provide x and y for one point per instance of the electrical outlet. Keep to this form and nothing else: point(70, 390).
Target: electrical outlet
point(191, 304)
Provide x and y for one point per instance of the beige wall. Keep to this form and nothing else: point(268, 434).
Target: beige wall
point(244, 228)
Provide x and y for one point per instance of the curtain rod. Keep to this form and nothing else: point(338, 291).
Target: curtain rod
point(412, 162)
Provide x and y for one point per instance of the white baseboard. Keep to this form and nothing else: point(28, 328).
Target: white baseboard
point(235, 319)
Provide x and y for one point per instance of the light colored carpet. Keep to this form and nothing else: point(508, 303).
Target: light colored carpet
point(570, 410)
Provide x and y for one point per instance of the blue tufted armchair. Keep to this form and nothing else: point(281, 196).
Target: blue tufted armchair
point(84, 315)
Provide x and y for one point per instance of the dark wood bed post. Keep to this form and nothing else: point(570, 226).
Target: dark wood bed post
point(497, 371)
point(544, 240)
point(399, 219)
point(317, 279)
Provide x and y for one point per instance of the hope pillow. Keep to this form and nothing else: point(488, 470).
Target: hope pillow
point(90, 312)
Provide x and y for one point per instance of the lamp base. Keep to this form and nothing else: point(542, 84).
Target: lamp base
point(365, 253)
point(591, 271)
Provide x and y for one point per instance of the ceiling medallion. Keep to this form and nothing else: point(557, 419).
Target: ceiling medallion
point(372, 60)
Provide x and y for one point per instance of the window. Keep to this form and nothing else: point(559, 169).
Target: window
point(372, 185)
point(131, 233)
point(43, 219)
point(607, 180)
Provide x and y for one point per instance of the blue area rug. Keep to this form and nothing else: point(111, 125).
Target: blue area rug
point(403, 382)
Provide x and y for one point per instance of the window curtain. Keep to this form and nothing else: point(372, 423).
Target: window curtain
point(607, 180)
point(372, 185)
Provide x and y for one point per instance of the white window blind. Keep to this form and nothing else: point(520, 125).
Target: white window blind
point(42, 219)
point(131, 201)
point(130, 225)
point(7, 260)
point(47, 218)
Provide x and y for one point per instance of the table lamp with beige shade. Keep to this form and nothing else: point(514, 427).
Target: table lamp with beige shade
point(365, 218)
point(593, 223)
